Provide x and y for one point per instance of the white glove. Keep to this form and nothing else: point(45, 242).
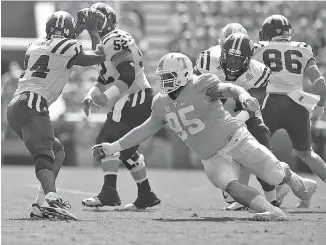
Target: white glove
point(105, 149)
point(102, 150)
point(317, 112)
point(248, 102)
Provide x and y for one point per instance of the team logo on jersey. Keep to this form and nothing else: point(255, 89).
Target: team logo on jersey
point(249, 76)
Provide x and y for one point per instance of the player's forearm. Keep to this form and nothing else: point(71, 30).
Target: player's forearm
point(95, 37)
point(139, 134)
point(317, 80)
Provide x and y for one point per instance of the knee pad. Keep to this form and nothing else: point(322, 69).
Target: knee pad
point(134, 163)
point(57, 146)
point(274, 172)
point(266, 186)
point(43, 162)
point(130, 153)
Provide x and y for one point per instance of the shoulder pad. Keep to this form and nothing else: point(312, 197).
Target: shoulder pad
point(261, 74)
point(67, 47)
point(304, 48)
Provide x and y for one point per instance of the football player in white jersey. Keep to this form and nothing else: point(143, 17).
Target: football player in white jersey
point(286, 105)
point(47, 68)
point(123, 87)
point(226, 61)
point(192, 108)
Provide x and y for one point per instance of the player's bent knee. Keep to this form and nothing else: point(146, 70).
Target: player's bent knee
point(287, 172)
point(44, 162)
point(274, 173)
point(135, 163)
point(57, 146)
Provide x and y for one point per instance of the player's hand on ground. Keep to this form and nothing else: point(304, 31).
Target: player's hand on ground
point(250, 103)
point(88, 103)
point(102, 150)
point(317, 113)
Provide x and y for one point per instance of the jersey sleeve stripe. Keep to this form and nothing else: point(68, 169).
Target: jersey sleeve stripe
point(67, 47)
point(261, 77)
point(202, 61)
point(59, 45)
point(208, 60)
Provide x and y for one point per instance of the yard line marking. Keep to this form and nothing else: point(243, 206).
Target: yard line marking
point(71, 191)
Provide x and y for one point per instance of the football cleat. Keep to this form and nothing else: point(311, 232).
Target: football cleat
point(311, 187)
point(227, 197)
point(56, 208)
point(38, 213)
point(235, 206)
point(144, 200)
point(272, 215)
point(107, 197)
point(281, 192)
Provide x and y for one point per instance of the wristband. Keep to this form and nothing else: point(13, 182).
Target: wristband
point(243, 116)
point(243, 97)
point(116, 147)
point(112, 92)
point(94, 91)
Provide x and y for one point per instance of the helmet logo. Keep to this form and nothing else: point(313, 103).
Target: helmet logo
point(234, 51)
point(66, 31)
point(183, 62)
point(278, 31)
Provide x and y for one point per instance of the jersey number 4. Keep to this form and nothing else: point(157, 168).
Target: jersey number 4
point(193, 126)
point(273, 59)
point(40, 67)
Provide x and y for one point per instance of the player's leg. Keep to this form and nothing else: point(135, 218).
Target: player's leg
point(108, 196)
point(272, 118)
point(297, 124)
point(262, 162)
point(223, 172)
point(136, 111)
point(36, 130)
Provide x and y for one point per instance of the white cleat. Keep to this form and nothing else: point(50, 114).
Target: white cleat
point(273, 215)
point(37, 212)
point(311, 186)
point(56, 208)
point(131, 207)
point(93, 202)
point(235, 207)
point(281, 192)
point(307, 190)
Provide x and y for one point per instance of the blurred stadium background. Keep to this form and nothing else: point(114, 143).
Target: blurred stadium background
point(158, 27)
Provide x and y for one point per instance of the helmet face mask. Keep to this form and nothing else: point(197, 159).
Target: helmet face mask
point(174, 71)
point(61, 24)
point(236, 54)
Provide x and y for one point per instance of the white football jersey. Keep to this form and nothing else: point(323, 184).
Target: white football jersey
point(256, 77)
point(287, 61)
point(119, 46)
point(45, 67)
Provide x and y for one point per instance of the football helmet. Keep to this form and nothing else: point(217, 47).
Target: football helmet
point(230, 29)
point(61, 24)
point(107, 18)
point(236, 54)
point(174, 71)
point(276, 27)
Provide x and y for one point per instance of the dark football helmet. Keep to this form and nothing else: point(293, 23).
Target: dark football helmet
point(61, 24)
point(236, 54)
point(230, 29)
point(107, 18)
point(276, 27)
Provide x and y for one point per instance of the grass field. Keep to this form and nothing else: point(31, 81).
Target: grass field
point(190, 213)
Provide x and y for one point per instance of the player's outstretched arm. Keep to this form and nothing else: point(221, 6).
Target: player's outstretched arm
point(220, 90)
point(88, 58)
point(318, 82)
point(136, 136)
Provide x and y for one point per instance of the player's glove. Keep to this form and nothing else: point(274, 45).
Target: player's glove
point(87, 19)
point(317, 112)
point(88, 103)
point(248, 102)
point(102, 150)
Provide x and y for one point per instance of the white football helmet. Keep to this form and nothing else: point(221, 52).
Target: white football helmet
point(229, 29)
point(174, 70)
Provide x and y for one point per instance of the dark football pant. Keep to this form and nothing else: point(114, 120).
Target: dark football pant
point(28, 116)
point(136, 110)
point(281, 112)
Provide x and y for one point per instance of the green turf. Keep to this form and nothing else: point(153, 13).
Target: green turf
point(190, 213)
